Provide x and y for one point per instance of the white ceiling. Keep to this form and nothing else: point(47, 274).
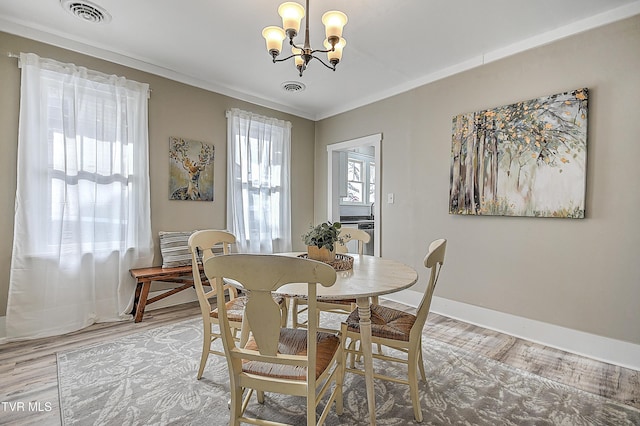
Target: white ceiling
point(392, 45)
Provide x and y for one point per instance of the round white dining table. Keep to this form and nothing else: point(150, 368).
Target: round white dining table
point(370, 276)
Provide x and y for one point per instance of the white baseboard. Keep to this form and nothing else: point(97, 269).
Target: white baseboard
point(617, 352)
point(3, 328)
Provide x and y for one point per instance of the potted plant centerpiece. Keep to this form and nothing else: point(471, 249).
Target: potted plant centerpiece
point(321, 240)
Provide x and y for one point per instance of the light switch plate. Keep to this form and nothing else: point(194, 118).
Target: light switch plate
point(390, 198)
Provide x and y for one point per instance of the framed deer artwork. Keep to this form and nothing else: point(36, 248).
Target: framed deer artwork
point(190, 170)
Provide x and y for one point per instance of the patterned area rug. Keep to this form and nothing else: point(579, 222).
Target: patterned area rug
point(150, 378)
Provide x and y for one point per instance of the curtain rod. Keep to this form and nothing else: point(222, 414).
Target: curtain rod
point(14, 55)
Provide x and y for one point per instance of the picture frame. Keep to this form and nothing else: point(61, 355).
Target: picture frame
point(190, 170)
point(523, 159)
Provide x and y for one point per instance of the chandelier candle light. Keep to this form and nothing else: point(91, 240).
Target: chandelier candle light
point(292, 14)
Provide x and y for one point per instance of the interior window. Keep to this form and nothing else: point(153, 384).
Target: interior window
point(355, 181)
point(360, 179)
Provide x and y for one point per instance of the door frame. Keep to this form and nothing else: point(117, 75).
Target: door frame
point(333, 150)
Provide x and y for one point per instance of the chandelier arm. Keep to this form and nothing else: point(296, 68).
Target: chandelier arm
point(293, 44)
point(333, 68)
point(285, 59)
point(322, 51)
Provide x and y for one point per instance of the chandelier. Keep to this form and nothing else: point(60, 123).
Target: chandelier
point(292, 13)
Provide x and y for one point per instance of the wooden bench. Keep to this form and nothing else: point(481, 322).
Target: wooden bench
point(144, 276)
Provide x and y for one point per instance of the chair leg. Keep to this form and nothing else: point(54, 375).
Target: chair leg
point(339, 382)
point(206, 347)
point(294, 313)
point(413, 385)
point(311, 409)
point(284, 312)
point(235, 408)
point(358, 354)
point(375, 301)
point(352, 356)
point(421, 364)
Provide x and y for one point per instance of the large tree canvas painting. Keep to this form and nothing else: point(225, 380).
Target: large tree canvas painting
point(190, 170)
point(524, 159)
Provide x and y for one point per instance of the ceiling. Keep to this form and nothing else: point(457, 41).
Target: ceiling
point(392, 45)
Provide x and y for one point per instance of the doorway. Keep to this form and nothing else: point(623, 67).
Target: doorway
point(336, 176)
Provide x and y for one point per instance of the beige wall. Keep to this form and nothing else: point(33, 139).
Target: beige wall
point(580, 274)
point(175, 109)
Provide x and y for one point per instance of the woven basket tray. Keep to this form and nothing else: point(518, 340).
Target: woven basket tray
point(342, 262)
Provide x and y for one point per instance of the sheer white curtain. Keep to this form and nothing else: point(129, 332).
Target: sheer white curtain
point(258, 182)
point(82, 216)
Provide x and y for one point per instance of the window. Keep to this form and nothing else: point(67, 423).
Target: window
point(372, 182)
point(355, 181)
point(258, 196)
point(91, 176)
point(360, 180)
point(82, 200)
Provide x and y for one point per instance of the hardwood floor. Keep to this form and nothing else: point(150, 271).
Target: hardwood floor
point(600, 378)
point(28, 370)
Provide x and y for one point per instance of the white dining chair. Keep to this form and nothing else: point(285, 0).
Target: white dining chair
point(202, 246)
point(398, 330)
point(275, 359)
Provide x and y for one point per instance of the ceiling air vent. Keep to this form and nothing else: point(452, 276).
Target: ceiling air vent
point(87, 11)
point(293, 86)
